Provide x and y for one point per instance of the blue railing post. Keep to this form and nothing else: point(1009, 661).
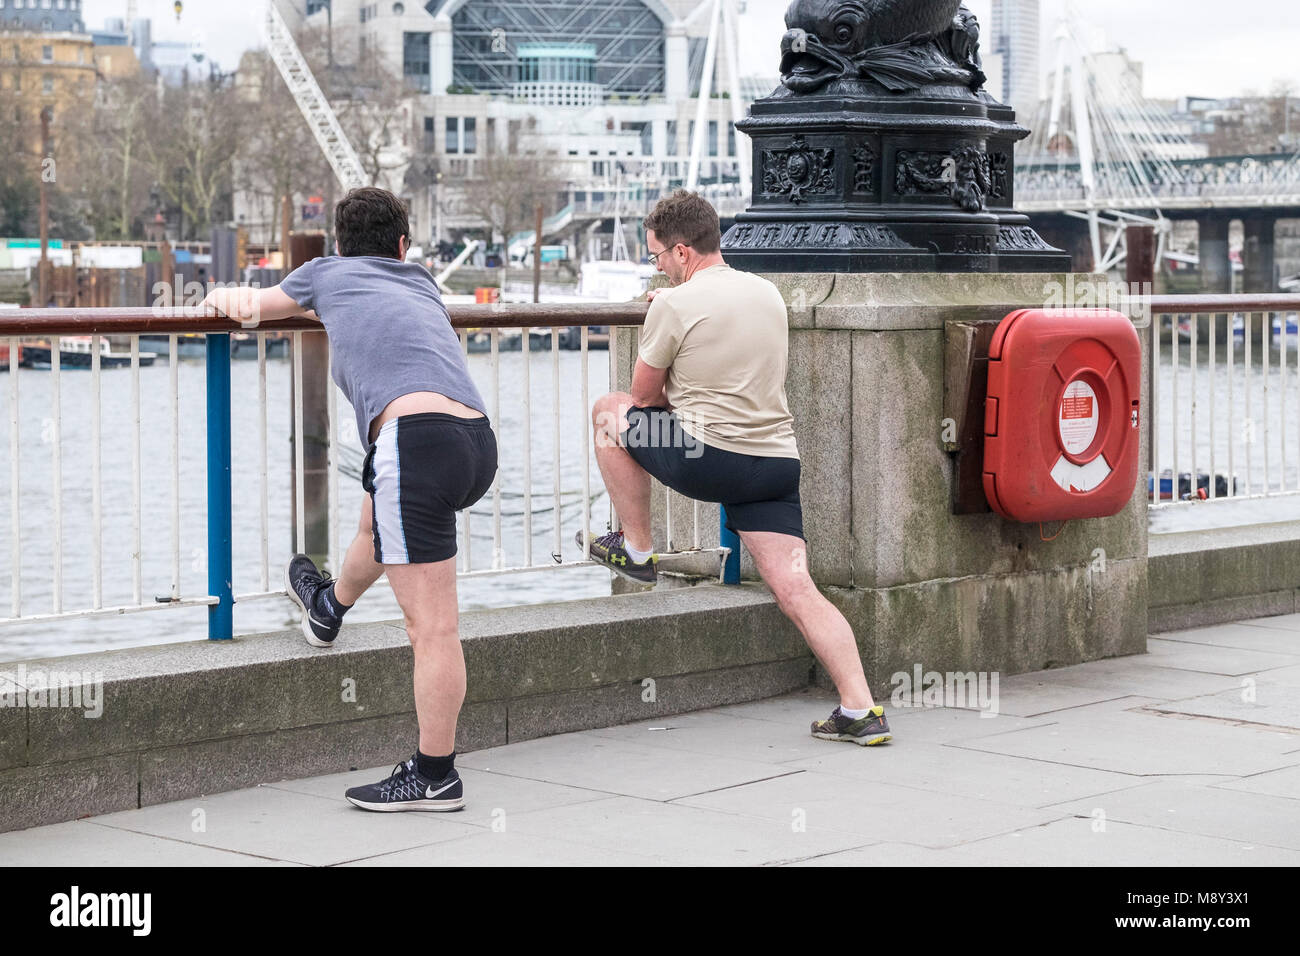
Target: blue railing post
point(221, 619)
point(729, 539)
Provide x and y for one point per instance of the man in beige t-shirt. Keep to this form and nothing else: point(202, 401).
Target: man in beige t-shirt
point(727, 397)
point(708, 417)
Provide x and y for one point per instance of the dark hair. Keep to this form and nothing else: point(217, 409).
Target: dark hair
point(687, 218)
point(371, 222)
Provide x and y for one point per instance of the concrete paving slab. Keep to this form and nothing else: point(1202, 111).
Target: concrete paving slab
point(1141, 743)
point(1029, 695)
point(296, 827)
point(1075, 842)
point(507, 848)
point(1238, 815)
point(966, 773)
point(674, 833)
point(1288, 622)
point(486, 794)
point(1137, 675)
point(1272, 640)
point(1274, 783)
point(710, 732)
point(895, 855)
point(1267, 704)
point(1206, 658)
point(948, 724)
point(619, 766)
point(1284, 676)
point(876, 811)
point(89, 843)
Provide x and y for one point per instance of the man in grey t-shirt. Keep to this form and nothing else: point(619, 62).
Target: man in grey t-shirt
point(431, 453)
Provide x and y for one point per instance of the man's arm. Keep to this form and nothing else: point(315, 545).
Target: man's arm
point(251, 306)
point(648, 386)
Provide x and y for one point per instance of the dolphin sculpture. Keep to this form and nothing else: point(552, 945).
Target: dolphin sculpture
point(900, 44)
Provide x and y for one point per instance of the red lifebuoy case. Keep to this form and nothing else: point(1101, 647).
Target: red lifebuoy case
point(1062, 415)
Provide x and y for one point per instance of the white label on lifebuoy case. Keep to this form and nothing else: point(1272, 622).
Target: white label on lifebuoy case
point(1072, 477)
point(1079, 417)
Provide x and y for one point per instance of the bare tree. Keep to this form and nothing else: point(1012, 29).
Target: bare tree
point(190, 155)
point(19, 175)
point(371, 104)
point(277, 156)
point(507, 188)
point(109, 140)
point(28, 166)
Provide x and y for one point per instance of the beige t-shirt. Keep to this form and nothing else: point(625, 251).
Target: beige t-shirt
point(724, 338)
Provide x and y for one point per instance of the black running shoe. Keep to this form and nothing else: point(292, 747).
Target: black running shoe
point(405, 789)
point(608, 550)
point(305, 582)
point(868, 731)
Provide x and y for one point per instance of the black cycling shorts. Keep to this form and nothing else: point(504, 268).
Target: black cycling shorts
point(759, 493)
point(420, 471)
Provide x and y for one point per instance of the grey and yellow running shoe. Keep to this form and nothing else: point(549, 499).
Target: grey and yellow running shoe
point(868, 731)
point(608, 550)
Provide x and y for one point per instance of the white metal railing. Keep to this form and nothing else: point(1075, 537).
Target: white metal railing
point(1225, 406)
point(168, 475)
point(50, 430)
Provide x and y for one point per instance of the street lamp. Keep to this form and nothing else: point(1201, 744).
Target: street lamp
point(433, 175)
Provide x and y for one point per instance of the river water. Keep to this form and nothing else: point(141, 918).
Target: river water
point(51, 638)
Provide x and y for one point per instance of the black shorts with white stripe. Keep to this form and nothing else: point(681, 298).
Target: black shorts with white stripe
point(420, 471)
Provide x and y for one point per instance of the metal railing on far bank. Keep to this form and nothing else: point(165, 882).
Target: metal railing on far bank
point(1225, 403)
point(526, 523)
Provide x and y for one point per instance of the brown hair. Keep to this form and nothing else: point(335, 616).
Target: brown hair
point(687, 218)
point(370, 222)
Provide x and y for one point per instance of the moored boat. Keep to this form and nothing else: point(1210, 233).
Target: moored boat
point(75, 353)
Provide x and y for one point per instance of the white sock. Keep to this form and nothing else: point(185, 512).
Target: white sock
point(638, 557)
point(854, 714)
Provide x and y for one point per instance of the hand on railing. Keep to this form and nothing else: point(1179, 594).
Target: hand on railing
point(241, 304)
point(249, 306)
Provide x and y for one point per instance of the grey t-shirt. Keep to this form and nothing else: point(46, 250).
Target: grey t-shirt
point(388, 329)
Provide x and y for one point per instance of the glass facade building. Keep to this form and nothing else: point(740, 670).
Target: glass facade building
point(1016, 38)
point(490, 38)
point(557, 63)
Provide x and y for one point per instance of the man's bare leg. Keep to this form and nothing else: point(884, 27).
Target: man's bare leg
point(427, 595)
point(782, 562)
point(626, 481)
point(360, 570)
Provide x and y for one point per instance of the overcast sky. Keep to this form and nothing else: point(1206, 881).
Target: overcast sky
point(1188, 47)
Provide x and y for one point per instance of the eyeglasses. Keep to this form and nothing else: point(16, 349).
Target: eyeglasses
point(654, 260)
